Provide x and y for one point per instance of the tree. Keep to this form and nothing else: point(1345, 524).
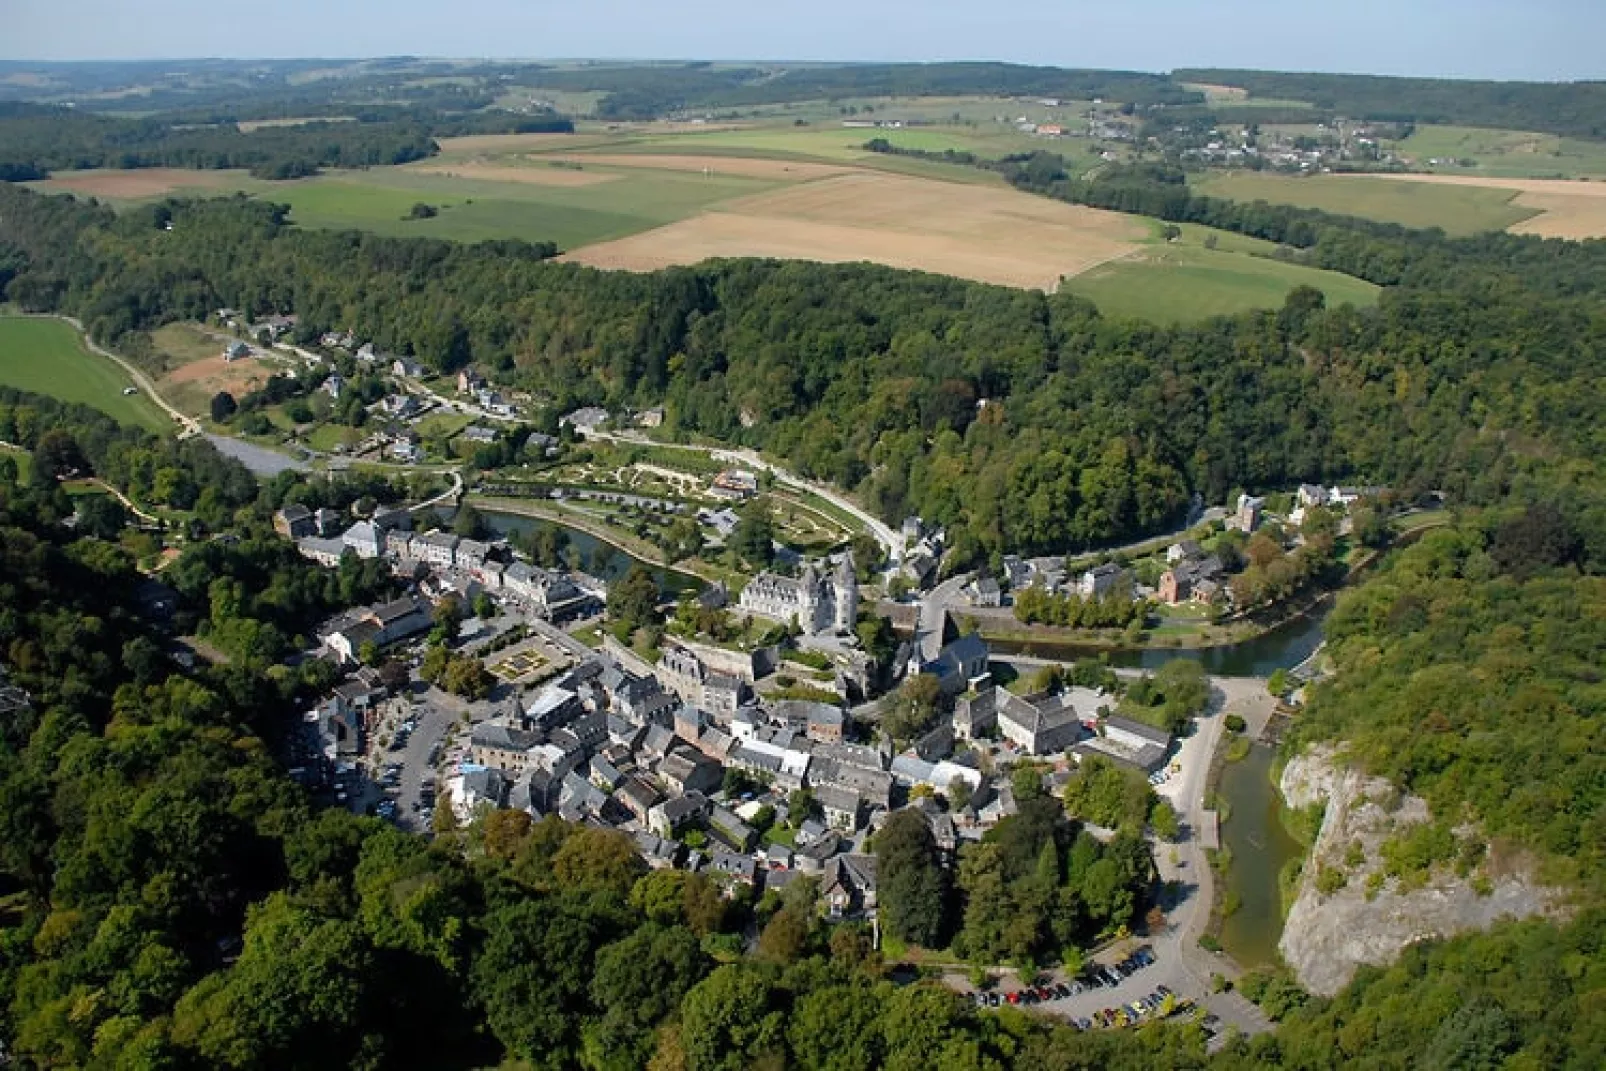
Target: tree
point(911, 883)
point(468, 678)
point(223, 406)
point(639, 982)
point(727, 1021)
point(753, 539)
point(784, 937)
point(101, 516)
point(958, 793)
point(867, 553)
point(633, 601)
point(469, 523)
point(1163, 820)
point(57, 456)
point(914, 708)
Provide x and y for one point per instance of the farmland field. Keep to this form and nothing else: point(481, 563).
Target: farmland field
point(47, 357)
point(1183, 280)
point(1457, 210)
point(993, 235)
point(1558, 208)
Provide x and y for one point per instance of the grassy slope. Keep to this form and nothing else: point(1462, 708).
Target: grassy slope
point(1182, 281)
point(1504, 153)
point(1459, 210)
point(47, 357)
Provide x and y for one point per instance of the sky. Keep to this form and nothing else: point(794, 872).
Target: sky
point(1503, 39)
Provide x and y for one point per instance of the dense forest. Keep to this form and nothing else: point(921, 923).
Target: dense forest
point(1575, 109)
point(37, 139)
point(1020, 421)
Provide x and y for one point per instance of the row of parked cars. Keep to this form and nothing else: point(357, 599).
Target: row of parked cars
point(1095, 976)
point(1162, 1000)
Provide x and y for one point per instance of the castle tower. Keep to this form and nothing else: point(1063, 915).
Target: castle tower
point(847, 596)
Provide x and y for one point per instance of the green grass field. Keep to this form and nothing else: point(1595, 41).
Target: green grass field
point(48, 357)
point(474, 210)
point(1183, 281)
point(1503, 153)
point(1458, 210)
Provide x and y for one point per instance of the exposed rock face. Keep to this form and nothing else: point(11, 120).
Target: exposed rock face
point(1327, 936)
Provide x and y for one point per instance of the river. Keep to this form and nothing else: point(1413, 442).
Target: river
point(600, 559)
point(1261, 846)
point(1283, 647)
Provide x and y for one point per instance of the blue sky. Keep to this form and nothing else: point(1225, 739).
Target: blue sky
point(1534, 39)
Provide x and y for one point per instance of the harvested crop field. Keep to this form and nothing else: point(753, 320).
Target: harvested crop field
point(133, 185)
point(535, 175)
point(974, 232)
point(1567, 208)
point(743, 166)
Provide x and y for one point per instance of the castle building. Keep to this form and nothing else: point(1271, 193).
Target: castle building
point(820, 603)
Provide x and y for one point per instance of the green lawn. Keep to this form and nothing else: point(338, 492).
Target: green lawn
point(1458, 210)
point(1183, 281)
point(47, 357)
point(1503, 153)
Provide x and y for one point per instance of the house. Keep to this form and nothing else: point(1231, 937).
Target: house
point(660, 854)
point(475, 789)
point(1193, 578)
point(400, 620)
point(502, 748)
point(638, 797)
point(1311, 494)
point(366, 353)
point(986, 592)
point(651, 418)
point(842, 807)
point(294, 521)
point(469, 381)
point(684, 770)
point(405, 451)
point(1247, 516)
point(643, 699)
point(678, 813)
point(1044, 724)
point(739, 869)
point(589, 418)
point(604, 774)
point(333, 385)
point(1129, 743)
point(817, 602)
point(236, 351)
point(731, 830)
point(786, 766)
point(407, 367)
point(688, 677)
point(327, 521)
point(848, 887)
point(363, 539)
point(1101, 581)
point(400, 406)
point(437, 548)
point(734, 485)
point(822, 722)
point(477, 434)
point(1182, 551)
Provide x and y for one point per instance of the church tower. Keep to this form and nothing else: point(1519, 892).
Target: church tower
point(847, 596)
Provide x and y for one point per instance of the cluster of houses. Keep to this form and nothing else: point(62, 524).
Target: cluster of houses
point(648, 753)
point(468, 566)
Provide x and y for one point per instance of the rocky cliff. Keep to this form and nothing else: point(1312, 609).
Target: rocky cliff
point(1348, 912)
